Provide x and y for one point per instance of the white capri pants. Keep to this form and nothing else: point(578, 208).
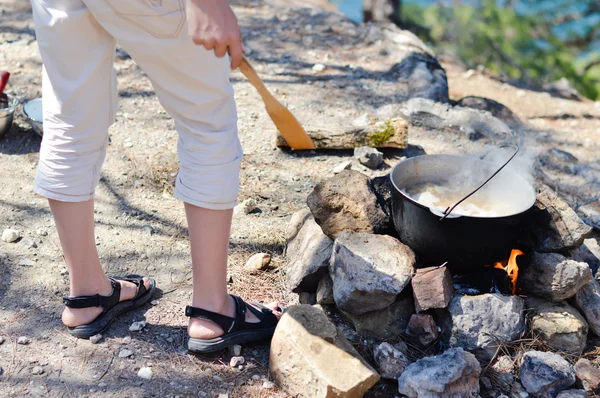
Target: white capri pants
point(77, 44)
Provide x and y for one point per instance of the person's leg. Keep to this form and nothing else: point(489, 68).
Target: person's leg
point(193, 86)
point(78, 99)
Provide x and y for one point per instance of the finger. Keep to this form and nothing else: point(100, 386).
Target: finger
point(210, 44)
point(220, 50)
point(235, 51)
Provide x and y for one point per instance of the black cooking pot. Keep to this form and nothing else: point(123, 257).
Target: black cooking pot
point(465, 242)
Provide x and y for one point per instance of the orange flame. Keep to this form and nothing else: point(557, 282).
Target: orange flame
point(511, 268)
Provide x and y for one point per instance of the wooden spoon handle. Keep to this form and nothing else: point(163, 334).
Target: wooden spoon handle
point(256, 81)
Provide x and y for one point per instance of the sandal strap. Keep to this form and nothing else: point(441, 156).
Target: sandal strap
point(137, 280)
point(266, 318)
point(96, 300)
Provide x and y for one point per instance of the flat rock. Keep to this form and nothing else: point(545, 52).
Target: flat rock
point(552, 226)
point(137, 326)
point(559, 325)
point(125, 353)
point(553, 276)
point(587, 301)
point(236, 361)
point(95, 339)
point(308, 253)
point(588, 375)
point(347, 201)
point(345, 165)
point(432, 288)
point(545, 374)
point(573, 394)
point(480, 323)
point(455, 373)
point(386, 323)
point(369, 271)
point(368, 156)
point(24, 340)
point(423, 329)
point(37, 370)
point(25, 262)
point(257, 262)
point(10, 235)
point(325, 291)
point(311, 358)
point(391, 361)
point(248, 206)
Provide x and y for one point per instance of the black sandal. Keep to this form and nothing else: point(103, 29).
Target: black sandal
point(235, 330)
point(112, 305)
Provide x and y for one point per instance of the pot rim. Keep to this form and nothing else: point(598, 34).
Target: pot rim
point(454, 216)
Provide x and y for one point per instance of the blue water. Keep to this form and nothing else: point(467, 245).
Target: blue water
point(353, 10)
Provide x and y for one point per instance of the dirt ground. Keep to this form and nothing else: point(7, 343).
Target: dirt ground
point(141, 227)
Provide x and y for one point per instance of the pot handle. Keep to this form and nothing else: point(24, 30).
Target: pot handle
point(449, 209)
point(440, 213)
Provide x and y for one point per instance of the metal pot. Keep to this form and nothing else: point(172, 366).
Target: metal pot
point(7, 111)
point(34, 115)
point(465, 242)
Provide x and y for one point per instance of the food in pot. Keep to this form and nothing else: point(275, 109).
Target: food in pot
point(442, 195)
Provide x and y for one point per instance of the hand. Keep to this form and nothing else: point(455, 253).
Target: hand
point(212, 24)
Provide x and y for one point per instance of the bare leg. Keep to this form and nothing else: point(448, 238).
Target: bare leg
point(75, 225)
point(209, 239)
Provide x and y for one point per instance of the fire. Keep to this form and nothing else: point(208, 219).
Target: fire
point(511, 268)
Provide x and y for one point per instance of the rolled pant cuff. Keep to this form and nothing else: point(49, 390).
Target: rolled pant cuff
point(61, 197)
point(205, 205)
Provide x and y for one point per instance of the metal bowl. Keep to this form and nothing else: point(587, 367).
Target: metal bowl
point(33, 112)
point(8, 105)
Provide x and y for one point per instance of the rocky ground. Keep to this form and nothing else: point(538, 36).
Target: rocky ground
point(141, 227)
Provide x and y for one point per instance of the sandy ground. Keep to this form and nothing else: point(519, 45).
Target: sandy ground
point(141, 227)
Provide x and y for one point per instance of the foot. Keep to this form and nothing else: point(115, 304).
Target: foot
point(202, 329)
point(72, 317)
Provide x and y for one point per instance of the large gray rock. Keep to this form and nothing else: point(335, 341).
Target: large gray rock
point(390, 360)
point(589, 253)
point(473, 123)
point(347, 201)
point(559, 325)
point(573, 394)
point(311, 358)
point(552, 225)
point(497, 110)
point(588, 375)
point(308, 253)
point(553, 276)
point(587, 301)
point(481, 323)
point(369, 271)
point(325, 291)
point(386, 323)
point(453, 374)
point(545, 374)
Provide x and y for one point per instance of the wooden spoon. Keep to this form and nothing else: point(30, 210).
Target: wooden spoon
point(285, 122)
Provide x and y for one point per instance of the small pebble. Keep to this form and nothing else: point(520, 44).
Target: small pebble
point(268, 384)
point(145, 373)
point(10, 235)
point(95, 338)
point(318, 68)
point(41, 232)
point(28, 243)
point(255, 377)
point(137, 326)
point(125, 353)
point(246, 207)
point(25, 262)
point(342, 166)
point(170, 339)
point(154, 302)
point(223, 396)
point(217, 378)
point(102, 384)
point(37, 370)
point(236, 361)
point(258, 262)
point(127, 339)
point(23, 340)
point(369, 157)
point(2, 340)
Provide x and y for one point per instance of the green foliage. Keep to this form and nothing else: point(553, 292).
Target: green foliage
point(519, 45)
